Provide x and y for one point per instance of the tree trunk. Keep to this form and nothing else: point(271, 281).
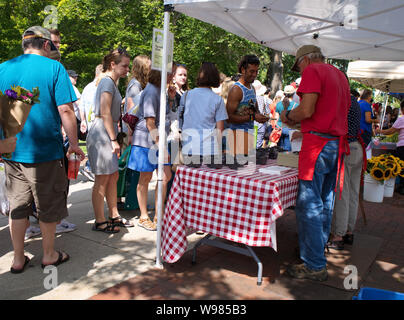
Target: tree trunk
point(275, 71)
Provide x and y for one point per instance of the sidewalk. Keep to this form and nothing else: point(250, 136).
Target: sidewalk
point(122, 266)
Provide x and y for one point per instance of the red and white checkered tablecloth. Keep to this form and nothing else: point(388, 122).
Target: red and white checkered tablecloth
point(238, 205)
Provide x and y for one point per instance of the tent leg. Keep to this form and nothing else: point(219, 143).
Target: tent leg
point(160, 200)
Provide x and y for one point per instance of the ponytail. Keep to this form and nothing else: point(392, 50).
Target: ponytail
point(286, 103)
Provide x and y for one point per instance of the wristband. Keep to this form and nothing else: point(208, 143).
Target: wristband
point(252, 117)
point(114, 139)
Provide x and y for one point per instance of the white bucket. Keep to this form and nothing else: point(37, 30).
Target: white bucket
point(389, 187)
point(373, 190)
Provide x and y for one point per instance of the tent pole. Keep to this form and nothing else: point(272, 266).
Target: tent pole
point(386, 99)
point(162, 136)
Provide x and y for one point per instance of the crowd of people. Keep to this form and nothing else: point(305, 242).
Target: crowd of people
point(330, 117)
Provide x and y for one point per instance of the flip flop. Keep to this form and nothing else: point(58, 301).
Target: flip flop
point(15, 271)
point(59, 261)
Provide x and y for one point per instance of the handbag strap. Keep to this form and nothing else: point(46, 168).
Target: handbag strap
point(181, 114)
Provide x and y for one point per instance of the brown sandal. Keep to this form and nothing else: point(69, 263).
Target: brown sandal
point(147, 224)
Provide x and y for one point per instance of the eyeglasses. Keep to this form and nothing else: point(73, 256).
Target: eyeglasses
point(181, 65)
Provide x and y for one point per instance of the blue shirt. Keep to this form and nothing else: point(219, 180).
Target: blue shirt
point(203, 109)
point(365, 107)
point(248, 94)
point(41, 138)
point(279, 108)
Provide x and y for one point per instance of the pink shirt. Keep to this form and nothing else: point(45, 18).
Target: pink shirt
point(399, 124)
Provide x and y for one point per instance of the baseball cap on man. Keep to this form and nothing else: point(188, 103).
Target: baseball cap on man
point(72, 73)
point(302, 51)
point(38, 32)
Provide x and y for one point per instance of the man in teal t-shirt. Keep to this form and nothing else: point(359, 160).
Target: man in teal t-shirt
point(36, 171)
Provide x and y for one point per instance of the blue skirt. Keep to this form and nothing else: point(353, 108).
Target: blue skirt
point(143, 159)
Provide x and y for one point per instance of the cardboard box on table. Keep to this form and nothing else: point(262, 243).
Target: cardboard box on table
point(288, 159)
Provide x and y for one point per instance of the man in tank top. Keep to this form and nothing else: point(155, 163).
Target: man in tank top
point(242, 106)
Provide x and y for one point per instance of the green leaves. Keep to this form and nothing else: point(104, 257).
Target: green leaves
point(90, 28)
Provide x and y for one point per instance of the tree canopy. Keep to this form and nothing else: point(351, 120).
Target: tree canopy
point(90, 28)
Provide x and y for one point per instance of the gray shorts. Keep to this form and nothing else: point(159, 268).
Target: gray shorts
point(43, 183)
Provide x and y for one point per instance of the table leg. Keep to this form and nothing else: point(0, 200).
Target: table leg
point(258, 261)
point(198, 244)
point(247, 251)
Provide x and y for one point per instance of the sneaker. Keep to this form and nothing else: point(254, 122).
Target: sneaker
point(147, 224)
point(88, 174)
point(32, 232)
point(65, 226)
point(300, 271)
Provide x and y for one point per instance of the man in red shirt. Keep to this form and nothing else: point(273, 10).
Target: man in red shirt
point(325, 101)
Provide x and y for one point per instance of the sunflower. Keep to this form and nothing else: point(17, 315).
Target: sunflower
point(390, 164)
point(397, 169)
point(377, 173)
point(401, 174)
point(388, 173)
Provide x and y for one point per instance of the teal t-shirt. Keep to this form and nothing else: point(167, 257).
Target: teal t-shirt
point(41, 138)
point(279, 108)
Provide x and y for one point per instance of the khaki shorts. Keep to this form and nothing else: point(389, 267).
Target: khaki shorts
point(43, 183)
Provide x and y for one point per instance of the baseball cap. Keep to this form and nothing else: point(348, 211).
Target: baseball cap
point(38, 32)
point(302, 51)
point(72, 73)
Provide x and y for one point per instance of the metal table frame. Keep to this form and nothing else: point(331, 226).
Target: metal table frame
point(247, 251)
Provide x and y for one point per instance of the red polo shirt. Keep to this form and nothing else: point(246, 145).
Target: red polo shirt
point(334, 100)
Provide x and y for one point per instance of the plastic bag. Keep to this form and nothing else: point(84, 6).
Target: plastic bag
point(4, 204)
point(275, 134)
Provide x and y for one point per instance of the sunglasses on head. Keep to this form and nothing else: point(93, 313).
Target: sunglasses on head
point(122, 50)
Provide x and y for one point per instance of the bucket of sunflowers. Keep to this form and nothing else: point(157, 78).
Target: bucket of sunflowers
point(380, 177)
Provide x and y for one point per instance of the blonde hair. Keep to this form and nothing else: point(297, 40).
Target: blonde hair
point(99, 78)
point(140, 69)
point(226, 86)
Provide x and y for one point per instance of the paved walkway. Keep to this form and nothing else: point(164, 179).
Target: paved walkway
point(122, 266)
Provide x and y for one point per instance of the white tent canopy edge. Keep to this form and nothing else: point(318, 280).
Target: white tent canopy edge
point(345, 29)
point(386, 76)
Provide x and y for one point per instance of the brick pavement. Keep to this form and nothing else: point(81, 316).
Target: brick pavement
point(220, 274)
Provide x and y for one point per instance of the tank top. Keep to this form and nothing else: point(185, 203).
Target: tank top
point(248, 95)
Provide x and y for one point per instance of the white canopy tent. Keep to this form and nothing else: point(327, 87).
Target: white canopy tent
point(345, 29)
point(386, 76)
